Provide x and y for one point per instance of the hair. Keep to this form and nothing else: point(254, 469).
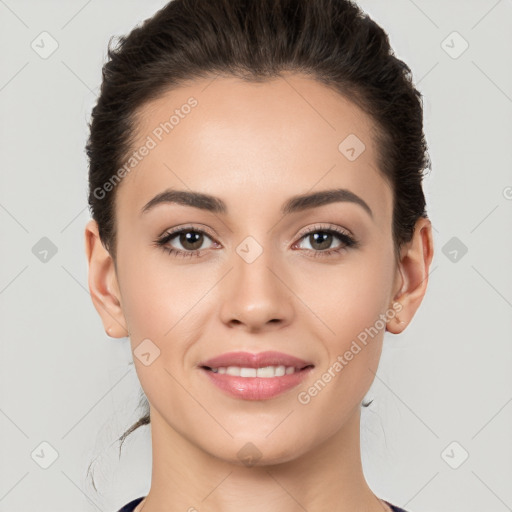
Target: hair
point(331, 41)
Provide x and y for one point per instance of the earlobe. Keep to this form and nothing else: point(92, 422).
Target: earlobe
point(415, 259)
point(103, 283)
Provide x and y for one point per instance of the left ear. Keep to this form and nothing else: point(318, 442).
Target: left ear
point(412, 275)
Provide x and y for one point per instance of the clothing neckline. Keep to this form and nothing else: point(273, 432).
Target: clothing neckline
point(130, 507)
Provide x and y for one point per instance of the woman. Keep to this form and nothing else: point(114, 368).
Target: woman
point(258, 224)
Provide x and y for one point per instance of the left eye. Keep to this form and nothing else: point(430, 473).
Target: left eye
point(322, 239)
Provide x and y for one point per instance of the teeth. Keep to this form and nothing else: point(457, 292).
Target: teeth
point(266, 372)
point(244, 372)
point(280, 371)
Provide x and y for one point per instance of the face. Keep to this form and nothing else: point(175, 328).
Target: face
point(260, 272)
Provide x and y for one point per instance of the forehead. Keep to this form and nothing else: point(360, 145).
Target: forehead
point(243, 140)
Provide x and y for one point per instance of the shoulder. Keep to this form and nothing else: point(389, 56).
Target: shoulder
point(129, 507)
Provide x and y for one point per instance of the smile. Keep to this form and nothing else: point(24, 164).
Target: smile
point(255, 376)
point(266, 372)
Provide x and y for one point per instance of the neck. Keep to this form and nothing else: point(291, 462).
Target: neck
point(327, 477)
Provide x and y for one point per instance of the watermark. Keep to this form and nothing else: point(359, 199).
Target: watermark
point(454, 45)
point(44, 45)
point(304, 397)
point(249, 249)
point(455, 455)
point(44, 454)
point(351, 147)
point(146, 352)
point(454, 249)
point(249, 454)
point(152, 140)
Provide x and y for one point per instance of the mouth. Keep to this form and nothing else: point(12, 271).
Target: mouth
point(256, 376)
point(265, 372)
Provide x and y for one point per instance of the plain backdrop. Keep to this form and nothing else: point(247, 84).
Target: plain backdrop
point(437, 437)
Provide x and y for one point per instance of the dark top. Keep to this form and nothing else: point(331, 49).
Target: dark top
point(129, 507)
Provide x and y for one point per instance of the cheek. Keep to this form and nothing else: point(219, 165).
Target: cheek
point(349, 298)
point(158, 295)
point(352, 309)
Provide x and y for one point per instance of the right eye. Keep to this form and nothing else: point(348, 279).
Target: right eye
point(190, 240)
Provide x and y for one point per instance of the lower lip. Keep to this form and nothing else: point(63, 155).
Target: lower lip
point(254, 388)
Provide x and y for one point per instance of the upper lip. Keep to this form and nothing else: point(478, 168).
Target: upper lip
point(259, 360)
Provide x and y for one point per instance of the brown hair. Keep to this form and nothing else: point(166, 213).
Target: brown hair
point(332, 41)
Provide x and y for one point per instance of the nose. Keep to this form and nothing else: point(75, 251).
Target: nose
point(256, 295)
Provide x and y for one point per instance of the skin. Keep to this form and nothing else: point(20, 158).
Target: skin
point(254, 146)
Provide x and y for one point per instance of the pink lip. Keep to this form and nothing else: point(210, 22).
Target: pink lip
point(256, 388)
point(260, 360)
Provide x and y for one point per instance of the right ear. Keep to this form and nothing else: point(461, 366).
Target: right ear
point(103, 285)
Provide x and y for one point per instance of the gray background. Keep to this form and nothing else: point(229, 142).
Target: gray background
point(447, 379)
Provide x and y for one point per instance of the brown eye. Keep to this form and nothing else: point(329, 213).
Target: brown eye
point(320, 240)
point(185, 242)
point(191, 240)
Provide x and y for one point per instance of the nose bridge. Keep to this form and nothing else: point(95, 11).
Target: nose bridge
point(256, 296)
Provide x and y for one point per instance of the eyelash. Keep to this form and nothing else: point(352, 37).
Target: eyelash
point(346, 240)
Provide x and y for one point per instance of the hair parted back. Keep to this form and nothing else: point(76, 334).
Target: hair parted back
point(332, 41)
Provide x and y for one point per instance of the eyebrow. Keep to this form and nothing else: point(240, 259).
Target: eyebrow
point(294, 204)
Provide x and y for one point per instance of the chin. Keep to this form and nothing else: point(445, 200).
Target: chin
point(258, 451)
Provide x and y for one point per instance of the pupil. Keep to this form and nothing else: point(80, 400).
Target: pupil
point(325, 239)
point(192, 238)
